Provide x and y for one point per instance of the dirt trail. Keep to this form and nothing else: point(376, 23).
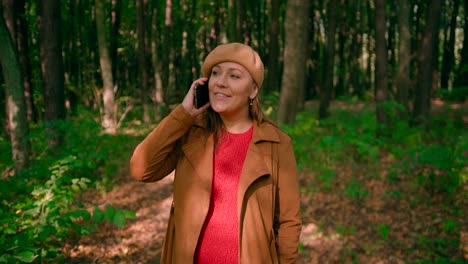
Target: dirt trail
point(140, 240)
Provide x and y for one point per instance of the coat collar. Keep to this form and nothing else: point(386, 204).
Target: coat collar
point(255, 164)
point(262, 131)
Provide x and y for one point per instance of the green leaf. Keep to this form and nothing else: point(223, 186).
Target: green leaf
point(4, 258)
point(98, 215)
point(119, 218)
point(26, 256)
point(110, 212)
point(130, 214)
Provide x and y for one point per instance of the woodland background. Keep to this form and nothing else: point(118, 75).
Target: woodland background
point(372, 92)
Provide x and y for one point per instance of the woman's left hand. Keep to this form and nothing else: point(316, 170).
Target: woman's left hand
point(188, 102)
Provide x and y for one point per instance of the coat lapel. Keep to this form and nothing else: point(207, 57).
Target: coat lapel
point(256, 162)
point(199, 152)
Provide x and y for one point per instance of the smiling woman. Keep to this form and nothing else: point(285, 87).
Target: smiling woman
point(236, 195)
point(231, 89)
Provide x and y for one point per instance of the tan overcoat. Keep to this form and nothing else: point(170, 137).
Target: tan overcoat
point(182, 142)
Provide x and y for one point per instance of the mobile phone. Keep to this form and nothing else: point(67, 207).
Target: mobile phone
point(201, 95)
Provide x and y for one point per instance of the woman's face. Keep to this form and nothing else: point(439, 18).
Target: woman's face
point(231, 87)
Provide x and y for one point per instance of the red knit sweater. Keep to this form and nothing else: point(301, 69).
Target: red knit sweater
point(219, 238)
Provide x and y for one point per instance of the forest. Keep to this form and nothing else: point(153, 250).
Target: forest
point(373, 94)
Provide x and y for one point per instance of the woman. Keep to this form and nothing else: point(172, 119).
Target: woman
point(236, 195)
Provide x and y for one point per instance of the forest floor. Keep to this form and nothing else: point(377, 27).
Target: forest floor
point(375, 228)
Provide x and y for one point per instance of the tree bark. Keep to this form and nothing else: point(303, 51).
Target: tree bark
point(155, 60)
point(403, 82)
point(461, 79)
point(142, 59)
point(344, 31)
point(449, 48)
point(273, 69)
point(239, 22)
point(326, 89)
point(422, 101)
point(296, 26)
point(14, 14)
point(15, 101)
point(381, 71)
point(109, 119)
point(114, 36)
point(52, 69)
point(356, 48)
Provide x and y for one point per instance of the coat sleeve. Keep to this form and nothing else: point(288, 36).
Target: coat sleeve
point(289, 212)
point(156, 156)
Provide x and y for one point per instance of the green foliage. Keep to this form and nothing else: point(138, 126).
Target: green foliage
point(384, 230)
point(342, 152)
point(355, 190)
point(40, 206)
point(457, 94)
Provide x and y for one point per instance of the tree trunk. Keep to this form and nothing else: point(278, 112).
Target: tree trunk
point(343, 33)
point(391, 18)
point(109, 119)
point(239, 22)
point(422, 101)
point(381, 72)
point(14, 14)
point(142, 61)
point(155, 60)
point(326, 89)
point(355, 49)
point(232, 18)
point(449, 48)
point(15, 103)
point(273, 69)
point(461, 79)
point(52, 69)
point(370, 73)
point(166, 50)
point(114, 36)
point(296, 26)
point(403, 82)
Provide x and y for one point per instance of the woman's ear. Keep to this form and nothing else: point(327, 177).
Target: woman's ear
point(254, 92)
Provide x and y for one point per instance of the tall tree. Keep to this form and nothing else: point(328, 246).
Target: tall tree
point(381, 71)
point(449, 47)
point(166, 51)
point(326, 90)
point(14, 14)
point(356, 48)
point(296, 27)
point(109, 120)
point(460, 78)
point(157, 65)
point(142, 58)
point(273, 63)
point(52, 69)
point(14, 95)
point(344, 31)
point(403, 81)
point(239, 21)
point(422, 99)
point(232, 32)
point(114, 36)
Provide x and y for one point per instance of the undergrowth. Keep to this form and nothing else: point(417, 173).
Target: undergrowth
point(41, 206)
point(428, 167)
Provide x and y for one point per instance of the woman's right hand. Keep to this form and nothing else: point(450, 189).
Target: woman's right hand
point(188, 102)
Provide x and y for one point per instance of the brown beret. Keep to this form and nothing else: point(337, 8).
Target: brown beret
point(238, 53)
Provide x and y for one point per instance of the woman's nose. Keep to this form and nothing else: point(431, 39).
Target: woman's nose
point(220, 80)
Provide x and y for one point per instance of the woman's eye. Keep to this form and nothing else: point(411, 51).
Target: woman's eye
point(235, 76)
point(214, 73)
